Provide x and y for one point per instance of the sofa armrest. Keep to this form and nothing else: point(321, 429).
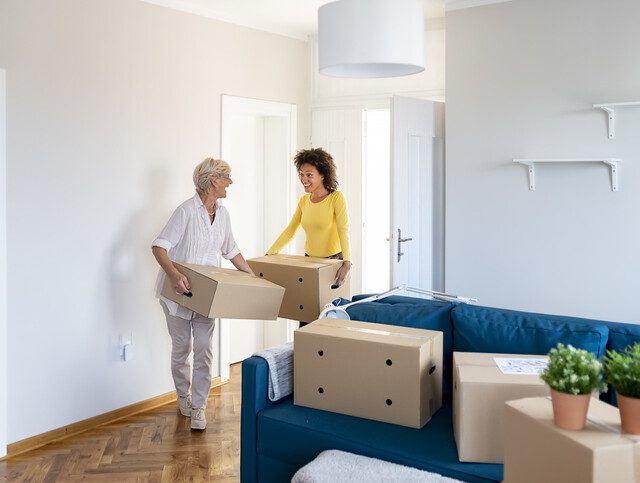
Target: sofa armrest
point(255, 390)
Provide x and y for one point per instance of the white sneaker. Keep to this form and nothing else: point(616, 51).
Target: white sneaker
point(184, 403)
point(198, 419)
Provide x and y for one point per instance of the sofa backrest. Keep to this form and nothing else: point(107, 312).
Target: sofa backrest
point(474, 328)
point(487, 329)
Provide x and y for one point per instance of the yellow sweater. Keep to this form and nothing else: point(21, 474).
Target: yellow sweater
point(325, 223)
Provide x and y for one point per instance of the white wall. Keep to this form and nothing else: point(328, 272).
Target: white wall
point(3, 267)
point(110, 106)
point(521, 80)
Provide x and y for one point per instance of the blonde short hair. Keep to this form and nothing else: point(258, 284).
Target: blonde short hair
point(207, 171)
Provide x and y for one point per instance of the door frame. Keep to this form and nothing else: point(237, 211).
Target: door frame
point(231, 106)
point(3, 266)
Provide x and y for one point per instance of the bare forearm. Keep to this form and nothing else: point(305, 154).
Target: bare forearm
point(164, 261)
point(241, 264)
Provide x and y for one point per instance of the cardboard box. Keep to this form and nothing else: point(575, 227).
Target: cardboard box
point(374, 371)
point(537, 450)
point(225, 293)
point(309, 283)
point(480, 390)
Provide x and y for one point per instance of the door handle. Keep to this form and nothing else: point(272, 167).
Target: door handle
point(400, 241)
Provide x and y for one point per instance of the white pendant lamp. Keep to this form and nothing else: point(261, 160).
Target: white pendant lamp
point(371, 38)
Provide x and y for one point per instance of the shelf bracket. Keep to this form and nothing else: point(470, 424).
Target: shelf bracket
point(610, 109)
point(532, 174)
point(614, 173)
point(611, 113)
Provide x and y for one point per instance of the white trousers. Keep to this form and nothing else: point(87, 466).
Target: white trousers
point(182, 331)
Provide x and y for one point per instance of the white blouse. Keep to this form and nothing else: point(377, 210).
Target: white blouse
point(190, 237)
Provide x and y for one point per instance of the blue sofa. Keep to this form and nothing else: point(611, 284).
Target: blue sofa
point(279, 438)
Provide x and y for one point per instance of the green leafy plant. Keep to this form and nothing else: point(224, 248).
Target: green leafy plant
point(622, 370)
point(573, 371)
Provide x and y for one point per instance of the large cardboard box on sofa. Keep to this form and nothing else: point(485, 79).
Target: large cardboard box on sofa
point(537, 450)
point(382, 372)
point(226, 293)
point(308, 282)
point(480, 390)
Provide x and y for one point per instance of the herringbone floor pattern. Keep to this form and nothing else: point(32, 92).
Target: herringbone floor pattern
point(155, 446)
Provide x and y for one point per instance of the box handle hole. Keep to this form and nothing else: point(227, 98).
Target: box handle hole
point(432, 370)
point(300, 280)
point(301, 307)
point(188, 294)
point(335, 286)
point(261, 274)
point(320, 390)
point(389, 402)
point(389, 362)
point(320, 353)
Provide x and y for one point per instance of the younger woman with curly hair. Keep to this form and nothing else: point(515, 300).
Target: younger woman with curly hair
point(322, 212)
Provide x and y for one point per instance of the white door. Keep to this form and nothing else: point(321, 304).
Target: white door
point(3, 267)
point(417, 193)
point(258, 141)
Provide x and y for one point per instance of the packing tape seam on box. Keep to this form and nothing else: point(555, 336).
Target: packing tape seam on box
point(216, 270)
point(305, 260)
point(377, 331)
point(295, 258)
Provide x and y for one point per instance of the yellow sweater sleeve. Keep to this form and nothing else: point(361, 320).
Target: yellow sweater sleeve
point(288, 233)
point(342, 222)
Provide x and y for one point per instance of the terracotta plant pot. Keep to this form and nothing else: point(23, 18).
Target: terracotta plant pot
point(569, 410)
point(629, 414)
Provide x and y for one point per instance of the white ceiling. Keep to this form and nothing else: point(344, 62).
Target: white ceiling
point(293, 18)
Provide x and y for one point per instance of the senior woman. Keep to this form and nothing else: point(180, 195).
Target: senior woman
point(199, 231)
point(322, 212)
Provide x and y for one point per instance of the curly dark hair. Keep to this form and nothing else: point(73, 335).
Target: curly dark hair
point(323, 162)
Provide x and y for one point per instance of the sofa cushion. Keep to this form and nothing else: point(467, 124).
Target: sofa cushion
point(297, 434)
point(622, 335)
point(423, 314)
point(485, 329)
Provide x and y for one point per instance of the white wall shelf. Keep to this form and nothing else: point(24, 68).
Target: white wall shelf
point(610, 109)
point(611, 162)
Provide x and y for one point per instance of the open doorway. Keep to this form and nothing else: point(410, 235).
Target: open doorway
point(391, 167)
point(258, 141)
point(376, 201)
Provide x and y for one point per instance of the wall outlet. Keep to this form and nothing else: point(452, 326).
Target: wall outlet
point(127, 352)
point(125, 347)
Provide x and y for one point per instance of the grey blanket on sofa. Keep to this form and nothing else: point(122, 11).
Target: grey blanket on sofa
point(280, 362)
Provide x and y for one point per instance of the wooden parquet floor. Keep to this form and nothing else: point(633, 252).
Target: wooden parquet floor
point(154, 446)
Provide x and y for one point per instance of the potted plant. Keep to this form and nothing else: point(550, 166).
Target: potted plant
point(622, 371)
point(572, 374)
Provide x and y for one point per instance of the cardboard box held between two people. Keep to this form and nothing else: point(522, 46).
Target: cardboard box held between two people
point(288, 286)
